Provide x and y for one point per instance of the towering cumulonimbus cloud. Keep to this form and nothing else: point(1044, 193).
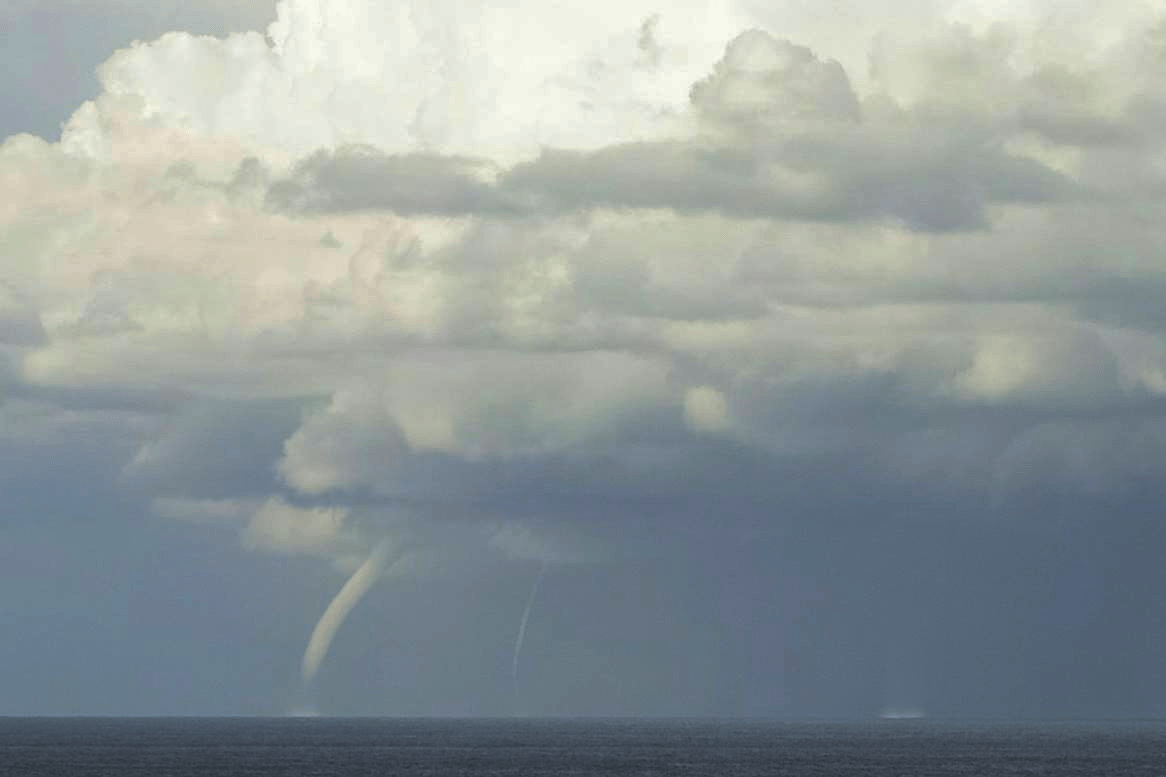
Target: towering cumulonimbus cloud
point(469, 78)
point(737, 223)
point(500, 82)
point(349, 595)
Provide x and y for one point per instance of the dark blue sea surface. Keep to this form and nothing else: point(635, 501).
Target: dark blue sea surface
point(176, 747)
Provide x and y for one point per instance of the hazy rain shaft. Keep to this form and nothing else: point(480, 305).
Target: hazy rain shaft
point(816, 350)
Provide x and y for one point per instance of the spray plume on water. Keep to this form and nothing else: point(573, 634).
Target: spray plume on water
point(521, 637)
point(337, 611)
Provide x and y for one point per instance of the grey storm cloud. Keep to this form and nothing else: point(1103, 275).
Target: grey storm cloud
point(941, 187)
point(365, 179)
point(844, 348)
point(808, 178)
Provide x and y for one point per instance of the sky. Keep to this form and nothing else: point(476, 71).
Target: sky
point(726, 358)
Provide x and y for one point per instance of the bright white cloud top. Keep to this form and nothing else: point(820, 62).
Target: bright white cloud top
point(403, 261)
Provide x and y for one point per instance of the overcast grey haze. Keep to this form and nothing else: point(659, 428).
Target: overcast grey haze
point(450, 357)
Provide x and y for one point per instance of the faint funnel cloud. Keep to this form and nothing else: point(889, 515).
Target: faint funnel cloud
point(521, 636)
point(341, 605)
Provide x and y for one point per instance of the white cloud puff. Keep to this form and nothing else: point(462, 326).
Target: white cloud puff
point(278, 526)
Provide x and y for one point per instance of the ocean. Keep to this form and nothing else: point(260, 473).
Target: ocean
point(324, 747)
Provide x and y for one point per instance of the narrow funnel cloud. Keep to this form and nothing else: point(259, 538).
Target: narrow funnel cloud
point(522, 625)
point(337, 612)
